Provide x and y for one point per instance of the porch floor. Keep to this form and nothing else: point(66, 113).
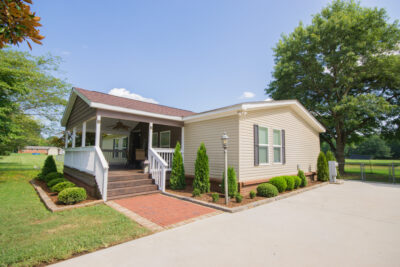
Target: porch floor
point(163, 210)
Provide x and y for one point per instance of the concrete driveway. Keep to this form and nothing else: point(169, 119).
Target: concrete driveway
point(353, 224)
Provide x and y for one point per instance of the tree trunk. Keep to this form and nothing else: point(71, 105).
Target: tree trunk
point(340, 143)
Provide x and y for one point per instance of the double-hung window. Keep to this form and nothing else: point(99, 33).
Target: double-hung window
point(263, 145)
point(165, 139)
point(277, 146)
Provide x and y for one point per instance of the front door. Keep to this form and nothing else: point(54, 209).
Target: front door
point(137, 151)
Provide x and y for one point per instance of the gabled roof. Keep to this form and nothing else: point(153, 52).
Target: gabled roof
point(125, 105)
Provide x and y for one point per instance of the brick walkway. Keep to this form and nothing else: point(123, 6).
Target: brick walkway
point(163, 210)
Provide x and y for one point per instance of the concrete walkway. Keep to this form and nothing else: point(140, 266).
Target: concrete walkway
point(353, 224)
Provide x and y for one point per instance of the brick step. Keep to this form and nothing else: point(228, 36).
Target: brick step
point(133, 195)
point(131, 190)
point(129, 183)
point(115, 178)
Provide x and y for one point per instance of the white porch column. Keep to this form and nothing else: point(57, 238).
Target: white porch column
point(150, 134)
point(98, 128)
point(66, 138)
point(73, 136)
point(84, 134)
point(183, 142)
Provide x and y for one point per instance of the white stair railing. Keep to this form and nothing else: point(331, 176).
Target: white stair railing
point(90, 160)
point(167, 154)
point(158, 169)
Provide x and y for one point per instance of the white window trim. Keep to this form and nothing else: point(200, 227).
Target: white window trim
point(263, 145)
point(158, 141)
point(273, 146)
point(169, 139)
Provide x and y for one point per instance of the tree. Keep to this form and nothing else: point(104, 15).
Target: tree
point(201, 171)
point(344, 69)
point(18, 23)
point(322, 168)
point(232, 182)
point(28, 90)
point(373, 146)
point(177, 179)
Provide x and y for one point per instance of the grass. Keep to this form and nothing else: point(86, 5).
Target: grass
point(32, 235)
point(375, 170)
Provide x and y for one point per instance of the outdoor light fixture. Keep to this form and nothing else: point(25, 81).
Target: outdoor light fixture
point(224, 139)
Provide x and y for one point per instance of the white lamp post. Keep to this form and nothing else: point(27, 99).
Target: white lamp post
point(224, 140)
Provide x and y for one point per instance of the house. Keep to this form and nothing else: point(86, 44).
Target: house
point(47, 150)
point(266, 139)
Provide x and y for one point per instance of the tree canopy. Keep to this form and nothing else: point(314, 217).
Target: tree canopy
point(28, 91)
point(18, 23)
point(344, 69)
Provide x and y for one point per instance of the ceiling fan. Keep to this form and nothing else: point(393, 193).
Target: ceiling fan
point(120, 126)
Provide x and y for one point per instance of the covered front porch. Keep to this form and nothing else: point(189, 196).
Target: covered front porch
point(108, 142)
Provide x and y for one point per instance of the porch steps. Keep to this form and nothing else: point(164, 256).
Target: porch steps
point(129, 183)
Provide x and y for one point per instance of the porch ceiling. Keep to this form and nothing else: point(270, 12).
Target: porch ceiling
point(107, 125)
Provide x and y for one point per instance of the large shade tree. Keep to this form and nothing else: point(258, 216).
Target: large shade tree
point(344, 68)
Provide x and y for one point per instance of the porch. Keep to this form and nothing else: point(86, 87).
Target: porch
point(119, 155)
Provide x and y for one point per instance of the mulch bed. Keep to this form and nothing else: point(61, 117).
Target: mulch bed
point(206, 197)
point(54, 198)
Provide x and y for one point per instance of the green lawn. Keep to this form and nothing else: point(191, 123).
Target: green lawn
point(31, 235)
point(375, 170)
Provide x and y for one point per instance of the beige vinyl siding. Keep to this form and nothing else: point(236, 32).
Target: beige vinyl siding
point(302, 144)
point(210, 132)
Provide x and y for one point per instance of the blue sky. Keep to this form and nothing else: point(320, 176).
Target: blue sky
point(196, 55)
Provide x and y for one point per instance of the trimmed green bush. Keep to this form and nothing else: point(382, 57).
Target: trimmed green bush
point(322, 168)
point(72, 195)
point(297, 182)
point(49, 166)
point(239, 198)
point(252, 194)
point(215, 197)
point(289, 182)
point(53, 182)
point(279, 182)
point(61, 186)
point(201, 171)
point(196, 192)
point(53, 175)
point(303, 178)
point(267, 190)
point(232, 182)
point(177, 179)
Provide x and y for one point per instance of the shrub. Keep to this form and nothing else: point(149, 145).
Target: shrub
point(267, 190)
point(49, 166)
point(53, 175)
point(239, 198)
point(72, 195)
point(61, 186)
point(201, 171)
point(196, 192)
point(232, 182)
point(303, 178)
point(53, 182)
point(215, 197)
point(177, 179)
point(289, 182)
point(322, 167)
point(297, 181)
point(252, 194)
point(279, 182)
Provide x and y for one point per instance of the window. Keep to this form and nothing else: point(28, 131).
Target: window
point(155, 139)
point(124, 146)
point(277, 146)
point(263, 145)
point(165, 138)
point(115, 147)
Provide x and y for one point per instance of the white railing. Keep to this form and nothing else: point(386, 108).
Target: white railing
point(167, 154)
point(90, 160)
point(158, 168)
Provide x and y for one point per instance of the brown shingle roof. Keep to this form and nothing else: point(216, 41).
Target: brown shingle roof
point(118, 101)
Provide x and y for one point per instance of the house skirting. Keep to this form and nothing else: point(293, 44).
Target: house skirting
point(83, 179)
point(243, 187)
